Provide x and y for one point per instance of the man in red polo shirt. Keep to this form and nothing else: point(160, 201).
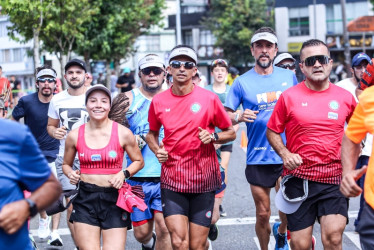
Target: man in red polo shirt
point(190, 172)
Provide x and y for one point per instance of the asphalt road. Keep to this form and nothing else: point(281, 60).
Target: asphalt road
point(237, 230)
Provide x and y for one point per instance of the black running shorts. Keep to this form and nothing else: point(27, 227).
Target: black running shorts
point(263, 175)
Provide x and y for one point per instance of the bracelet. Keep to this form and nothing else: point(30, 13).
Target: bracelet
point(237, 117)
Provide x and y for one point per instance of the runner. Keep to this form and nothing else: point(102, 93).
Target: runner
point(34, 109)
point(135, 104)
point(100, 144)
point(258, 91)
point(67, 111)
point(190, 170)
point(313, 114)
point(285, 61)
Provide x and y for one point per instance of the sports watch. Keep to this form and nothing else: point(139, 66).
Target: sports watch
point(214, 136)
point(127, 174)
point(32, 207)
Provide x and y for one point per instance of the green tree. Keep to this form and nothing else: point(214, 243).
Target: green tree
point(233, 23)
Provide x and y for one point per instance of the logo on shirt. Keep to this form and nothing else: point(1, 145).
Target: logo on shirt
point(304, 104)
point(112, 154)
point(81, 154)
point(334, 105)
point(96, 157)
point(195, 107)
point(332, 115)
point(167, 110)
point(284, 83)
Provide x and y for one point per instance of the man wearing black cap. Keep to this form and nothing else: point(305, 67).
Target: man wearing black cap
point(67, 110)
point(34, 109)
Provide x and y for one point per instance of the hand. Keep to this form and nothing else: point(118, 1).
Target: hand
point(248, 116)
point(74, 177)
point(60, 133)
point(292, 161)
point(13, 216)
point(162, 154)
point(204, 136)
point(117, 180)
point(367, 78)
point(348, 186)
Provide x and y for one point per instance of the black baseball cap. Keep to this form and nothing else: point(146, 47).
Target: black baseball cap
point(77, 62)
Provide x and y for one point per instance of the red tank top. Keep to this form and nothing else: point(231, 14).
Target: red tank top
point(107, 160)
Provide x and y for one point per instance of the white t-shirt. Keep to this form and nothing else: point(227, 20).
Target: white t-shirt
point(349, 85)
point(70, 110)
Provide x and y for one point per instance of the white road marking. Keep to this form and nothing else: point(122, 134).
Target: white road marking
point(271, 244)
point(355, 238)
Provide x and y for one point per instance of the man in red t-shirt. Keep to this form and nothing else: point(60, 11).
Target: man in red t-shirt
point(190, 171)
point(313, 114)
point(5, 89)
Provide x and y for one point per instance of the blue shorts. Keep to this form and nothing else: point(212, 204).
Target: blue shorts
point(152, 199)
point(223, 184)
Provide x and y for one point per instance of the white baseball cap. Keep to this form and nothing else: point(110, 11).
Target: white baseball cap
point(282, 57)
point(264, 36)
point(183, 51)
point(151, 60)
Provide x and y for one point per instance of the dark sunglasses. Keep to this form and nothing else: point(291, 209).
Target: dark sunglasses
point(155, 70)
point(290, 66)
point(178, 64)
point(310, 61)
point(219, 61)
point(50, 80)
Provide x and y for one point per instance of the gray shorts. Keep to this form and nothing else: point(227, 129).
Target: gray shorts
point(64, 180)
point(365, 228)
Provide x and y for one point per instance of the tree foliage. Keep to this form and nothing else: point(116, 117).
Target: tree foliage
point(233, 23)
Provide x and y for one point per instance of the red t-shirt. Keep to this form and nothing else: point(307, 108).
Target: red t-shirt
point(192, 167)
point(5, 90)
point(314, 123)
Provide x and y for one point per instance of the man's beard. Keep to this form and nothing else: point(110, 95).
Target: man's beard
point(152, 89)
point(264, 65)
point(76, 86)
point(357, 78)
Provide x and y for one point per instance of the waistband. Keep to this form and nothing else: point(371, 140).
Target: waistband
point(88, 187)
point(145, 179)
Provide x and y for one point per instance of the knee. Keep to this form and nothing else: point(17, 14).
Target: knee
point(162, 232)
point(263, 216)
point(142, 236)
point(332, 240)
point(301, 243)
point(179, 243)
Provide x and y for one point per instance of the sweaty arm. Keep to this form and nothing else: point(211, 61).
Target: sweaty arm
point(157, 149)
point(54, 131)
point(290, 160)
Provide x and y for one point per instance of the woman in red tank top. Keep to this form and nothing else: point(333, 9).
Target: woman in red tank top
point(100, 145)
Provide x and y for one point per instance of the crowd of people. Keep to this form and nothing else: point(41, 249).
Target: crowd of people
point(311, 141)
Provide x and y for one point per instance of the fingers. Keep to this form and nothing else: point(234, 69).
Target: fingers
point(116, 182)
point(204, 136)
point(59, 133)
point(348, 186)
point(74, 177)
point(248, 115)
point(162, 155)
point(360, 172)
point(292, 161)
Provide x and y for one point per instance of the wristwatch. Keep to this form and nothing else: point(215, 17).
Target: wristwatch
point(237, 117)
point(214, 137)
point(32, 207)
point(126, 173)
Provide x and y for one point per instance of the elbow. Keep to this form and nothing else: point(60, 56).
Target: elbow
point(233, 135)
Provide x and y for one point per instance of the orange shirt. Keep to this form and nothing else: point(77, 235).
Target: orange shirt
point(5, 90)
point(362, 122)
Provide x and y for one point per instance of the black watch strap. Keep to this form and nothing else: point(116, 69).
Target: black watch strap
point(32, 207)
point(126, 173)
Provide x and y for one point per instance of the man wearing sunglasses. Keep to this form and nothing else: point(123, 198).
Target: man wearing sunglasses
point(134, 106)
point(34, 109)
point(313, 114)
point(285, 61)
point(190, 172)
point(258, 91)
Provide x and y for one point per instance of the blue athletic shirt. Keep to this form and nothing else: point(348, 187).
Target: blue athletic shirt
point(22, 167)
point(260, 92)
point(35, 114)
point(137, 116)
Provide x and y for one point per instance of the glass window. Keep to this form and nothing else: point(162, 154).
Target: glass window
point(17, 55)
point(153, 43)
point(6, 55)
point(299, 21)
point(206, 37)
point(187, 37)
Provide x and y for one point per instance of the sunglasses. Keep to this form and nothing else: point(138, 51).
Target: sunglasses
point(219, 61)
point(155, 70)
point(310, 61)
point(178, 64)
point(290, 66)
point(49, 80)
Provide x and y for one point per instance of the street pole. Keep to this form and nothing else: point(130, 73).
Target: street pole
point(178, 23)
point(347, 53)
point(315, 18)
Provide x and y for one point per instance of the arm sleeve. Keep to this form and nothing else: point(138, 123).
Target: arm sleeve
point(278, 118)
point(52, 111)
point(34, 168)
point(234, 98)
point(221, 118)
point(356, 130)
point(19, 110)
point(154, 122)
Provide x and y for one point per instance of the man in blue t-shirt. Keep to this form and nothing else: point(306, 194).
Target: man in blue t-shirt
point(22, 167)
point(34, 109)
point(258, 91)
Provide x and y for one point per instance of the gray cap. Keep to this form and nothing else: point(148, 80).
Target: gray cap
point(183, 51)
point(282, 57)
point(46, 72)
point(98, 87)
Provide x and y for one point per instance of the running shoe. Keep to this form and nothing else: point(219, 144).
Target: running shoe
point(33, 243)
point(154, 243)
point(210, 245)
point(43, 230)
point(222, 212)
point(313, 243)
point(55, 240)
point(213, 232)
point(281, 242)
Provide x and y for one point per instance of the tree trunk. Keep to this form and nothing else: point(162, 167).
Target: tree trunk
point(36, 49)
point(108, 74)
point(63, 60)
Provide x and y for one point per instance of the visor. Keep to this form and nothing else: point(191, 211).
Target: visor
point(46, 72)
point(183, 51)
point(293, 191)
point(264, 36)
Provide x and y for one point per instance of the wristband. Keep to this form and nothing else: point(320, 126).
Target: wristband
point(237, 117)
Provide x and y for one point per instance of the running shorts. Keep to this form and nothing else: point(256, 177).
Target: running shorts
point(263, 175)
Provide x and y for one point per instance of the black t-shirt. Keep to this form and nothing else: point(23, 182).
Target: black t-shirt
point(123, 79)
point(35, 114)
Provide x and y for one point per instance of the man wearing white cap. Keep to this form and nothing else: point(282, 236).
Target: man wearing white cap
point(34, 109)
point(135, 105)
point(258, 91)
point(285, 61)
point(190, 172)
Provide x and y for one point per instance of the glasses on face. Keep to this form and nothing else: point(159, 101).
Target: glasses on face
point(49, 80)
point(219, 61)
point(310, 61)
point(155, 70)
point(178, 64)
point(290, 66)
